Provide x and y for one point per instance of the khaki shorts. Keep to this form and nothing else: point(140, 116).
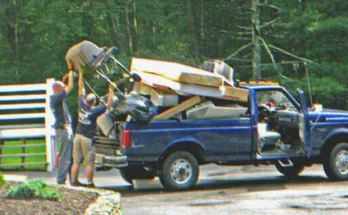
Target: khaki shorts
point(83, 150)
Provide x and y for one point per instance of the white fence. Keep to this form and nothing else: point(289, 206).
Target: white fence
point(25, 114)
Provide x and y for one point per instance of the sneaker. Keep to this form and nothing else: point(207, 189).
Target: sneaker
point(90, 185)
point(102, 168)
point(77, 184)
point(61, 183)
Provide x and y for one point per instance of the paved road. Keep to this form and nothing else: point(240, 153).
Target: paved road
point(242, 190)
point(229, 190)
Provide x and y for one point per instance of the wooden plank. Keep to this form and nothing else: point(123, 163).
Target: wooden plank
point(159, 81)
point(21, 146)
point(22, 88)
point(142, 88)
point(177, 72)
point(23, 97)
point(22, 133)
point(22, 155)
point(22, 116)
point(177, 109)
point(22, 106)
point(37, 125)
point(25, 164)
point(191, 89)
point(238, 94)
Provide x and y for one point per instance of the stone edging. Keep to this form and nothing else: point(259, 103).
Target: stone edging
point(108, 202)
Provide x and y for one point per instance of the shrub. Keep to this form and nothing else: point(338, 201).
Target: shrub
point(33, 189)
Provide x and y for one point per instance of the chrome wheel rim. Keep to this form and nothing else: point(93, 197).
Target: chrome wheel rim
point(342, 162)
point(181, 171)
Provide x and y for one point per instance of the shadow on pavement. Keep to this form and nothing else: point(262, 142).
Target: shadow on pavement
point(248, 184)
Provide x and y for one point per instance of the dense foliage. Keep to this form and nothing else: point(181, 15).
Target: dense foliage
point(35, 35)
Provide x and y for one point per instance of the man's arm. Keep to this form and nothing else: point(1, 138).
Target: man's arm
point(110, 97)
point(81, 88)
point(70, 85)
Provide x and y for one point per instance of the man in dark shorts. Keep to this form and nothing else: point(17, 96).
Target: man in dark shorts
point(63, 123)
point(85, 131)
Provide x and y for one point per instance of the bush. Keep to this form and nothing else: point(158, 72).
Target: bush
point(2, 180)
point(33, 189)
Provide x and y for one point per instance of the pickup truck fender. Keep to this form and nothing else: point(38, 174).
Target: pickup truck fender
point(332, 138)
point(188, 144)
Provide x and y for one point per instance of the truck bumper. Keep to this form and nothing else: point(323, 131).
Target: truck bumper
point(111, 160)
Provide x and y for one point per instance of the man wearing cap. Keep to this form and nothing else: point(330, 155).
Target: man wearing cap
point(85, 131)
point(63, 123)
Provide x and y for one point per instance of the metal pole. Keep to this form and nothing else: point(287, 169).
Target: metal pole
point(309, 84)
point(89, 86)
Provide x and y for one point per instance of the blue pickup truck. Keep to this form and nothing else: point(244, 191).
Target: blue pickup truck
point(275, 129)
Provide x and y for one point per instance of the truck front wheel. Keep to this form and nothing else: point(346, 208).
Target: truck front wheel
point(180, 171)
point(290, 171)
point(336, 164)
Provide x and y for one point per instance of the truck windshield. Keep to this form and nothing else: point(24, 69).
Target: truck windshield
point(274, 98)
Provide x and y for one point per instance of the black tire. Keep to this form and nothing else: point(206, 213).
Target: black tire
point(290, 171)
point(128, 174)
point(180, 171)
point(125, 175)
point(336, 164)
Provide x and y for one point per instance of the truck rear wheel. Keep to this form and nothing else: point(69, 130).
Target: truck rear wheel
point(180, 171)
point(336, 164)
point(290, 171)
point(128, 174)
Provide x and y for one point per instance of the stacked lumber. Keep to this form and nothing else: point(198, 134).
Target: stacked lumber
point(165, 82)
point(177, 72)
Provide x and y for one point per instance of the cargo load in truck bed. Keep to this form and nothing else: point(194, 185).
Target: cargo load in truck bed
point(175, 88)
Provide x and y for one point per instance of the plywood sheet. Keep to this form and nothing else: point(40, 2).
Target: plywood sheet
point(213, 112)
point(177, 72)
point(223, 92)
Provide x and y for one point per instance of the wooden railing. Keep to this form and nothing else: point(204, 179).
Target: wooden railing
point(26, 126)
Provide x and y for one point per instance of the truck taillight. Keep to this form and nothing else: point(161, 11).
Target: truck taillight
point(125, 139)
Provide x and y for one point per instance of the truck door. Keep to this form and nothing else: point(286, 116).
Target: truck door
point(304, 124)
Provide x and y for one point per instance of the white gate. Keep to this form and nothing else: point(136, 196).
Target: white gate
point(24, 115)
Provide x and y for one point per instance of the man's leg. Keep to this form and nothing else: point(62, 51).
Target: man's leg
point(89, 172)
point(89, 156)
point(65, 155)
point(75, 173)
point(77, 158)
